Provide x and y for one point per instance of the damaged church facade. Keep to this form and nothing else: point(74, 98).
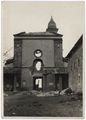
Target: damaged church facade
point(38, 62)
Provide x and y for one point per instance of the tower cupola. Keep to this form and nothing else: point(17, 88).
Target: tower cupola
point(52, 26)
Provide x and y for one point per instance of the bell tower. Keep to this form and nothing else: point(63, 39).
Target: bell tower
point(52, 26)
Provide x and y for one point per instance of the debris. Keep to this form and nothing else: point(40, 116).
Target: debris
point(50, 93)
point(67, 91)
point(13, 113)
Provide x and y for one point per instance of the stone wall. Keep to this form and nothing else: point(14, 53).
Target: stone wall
point(75, 70)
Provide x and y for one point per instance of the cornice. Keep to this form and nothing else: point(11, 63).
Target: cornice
point(36, 38)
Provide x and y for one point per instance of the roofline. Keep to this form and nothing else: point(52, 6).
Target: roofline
point(31, 34)
point(75, 47)
point(38, 38)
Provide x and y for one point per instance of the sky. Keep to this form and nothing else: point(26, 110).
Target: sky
point(27, 16)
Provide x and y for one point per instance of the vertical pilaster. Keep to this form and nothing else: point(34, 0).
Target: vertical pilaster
point(17, 59)
point(60, 82)
point(58, 53)
point(15, 80)
point(45, 82)
point(17, 52)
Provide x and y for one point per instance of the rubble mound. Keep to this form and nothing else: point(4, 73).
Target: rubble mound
point(40, 93)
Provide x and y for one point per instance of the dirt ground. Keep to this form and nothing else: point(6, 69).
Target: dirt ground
point(51, 106)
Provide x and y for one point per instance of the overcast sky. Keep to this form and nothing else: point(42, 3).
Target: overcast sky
point(34, 17)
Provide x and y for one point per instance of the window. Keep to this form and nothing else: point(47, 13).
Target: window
point(38, 53)
point(38, 65)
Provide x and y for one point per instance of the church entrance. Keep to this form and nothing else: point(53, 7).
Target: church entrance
point(37, 83)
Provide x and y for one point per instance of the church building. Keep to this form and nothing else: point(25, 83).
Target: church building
point(38, 60)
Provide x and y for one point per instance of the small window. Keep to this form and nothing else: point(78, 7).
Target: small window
point(38, 53)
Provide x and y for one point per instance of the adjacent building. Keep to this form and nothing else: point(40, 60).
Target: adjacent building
point(75, 66)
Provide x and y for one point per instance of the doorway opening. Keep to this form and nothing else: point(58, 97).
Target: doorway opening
point(65, 81)
point(37, 83)
point(61, 81)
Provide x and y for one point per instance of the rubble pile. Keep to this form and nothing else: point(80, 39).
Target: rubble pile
point(67, 91)
point(41, 93)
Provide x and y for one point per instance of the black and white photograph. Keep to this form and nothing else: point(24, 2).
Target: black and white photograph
point(43, 59)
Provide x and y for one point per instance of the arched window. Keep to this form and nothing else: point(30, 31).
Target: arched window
point(38, 64)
